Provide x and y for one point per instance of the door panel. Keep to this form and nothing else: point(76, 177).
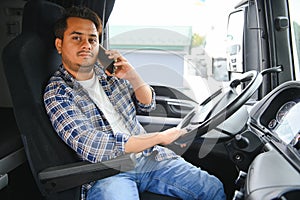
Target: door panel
point(171, 106)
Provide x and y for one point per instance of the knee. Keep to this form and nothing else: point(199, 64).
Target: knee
point(101, 189)
point(208, 187)
point(216, 191)
point(115, 187)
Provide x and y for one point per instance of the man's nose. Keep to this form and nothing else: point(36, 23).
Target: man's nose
point(86, 44)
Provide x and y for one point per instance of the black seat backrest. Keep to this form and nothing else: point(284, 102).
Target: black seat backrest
point(29, 61)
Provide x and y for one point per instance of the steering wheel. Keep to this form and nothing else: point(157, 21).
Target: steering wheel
point(218, 107)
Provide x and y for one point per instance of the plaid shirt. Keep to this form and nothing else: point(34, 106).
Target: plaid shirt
point(83, 126)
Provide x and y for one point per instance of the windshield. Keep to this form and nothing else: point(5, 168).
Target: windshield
point(176, 43)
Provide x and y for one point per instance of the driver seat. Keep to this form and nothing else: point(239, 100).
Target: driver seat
point(29, 61)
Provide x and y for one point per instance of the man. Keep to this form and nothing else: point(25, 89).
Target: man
point(95, 114)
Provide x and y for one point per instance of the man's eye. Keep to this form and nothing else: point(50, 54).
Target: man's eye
point(76, 38)
point(93, 41)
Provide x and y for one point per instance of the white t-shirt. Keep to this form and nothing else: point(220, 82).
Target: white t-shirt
point(99, 97)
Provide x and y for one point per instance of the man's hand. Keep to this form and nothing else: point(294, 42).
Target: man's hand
point(138, 143)
point(170, 135)
point(124, 70)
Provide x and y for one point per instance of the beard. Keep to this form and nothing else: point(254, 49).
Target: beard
point(77, 69)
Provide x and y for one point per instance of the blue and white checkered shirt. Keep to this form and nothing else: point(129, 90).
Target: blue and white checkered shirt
point(83, 126)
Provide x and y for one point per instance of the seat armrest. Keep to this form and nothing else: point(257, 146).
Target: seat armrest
point(64, 177)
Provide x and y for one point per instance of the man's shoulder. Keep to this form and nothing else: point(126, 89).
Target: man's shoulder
point(57, 82)
point(56, 78)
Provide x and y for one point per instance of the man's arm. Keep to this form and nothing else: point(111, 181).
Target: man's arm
point(143, 93)
point(138, 143)
point(126, 71)
point(141, 89)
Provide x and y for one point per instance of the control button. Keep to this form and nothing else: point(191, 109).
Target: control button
point(238, 195)
point(240, 181)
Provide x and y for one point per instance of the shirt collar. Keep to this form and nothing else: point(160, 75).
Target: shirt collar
point(70, 80)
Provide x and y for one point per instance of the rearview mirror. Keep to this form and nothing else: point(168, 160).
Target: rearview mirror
point(234, 48)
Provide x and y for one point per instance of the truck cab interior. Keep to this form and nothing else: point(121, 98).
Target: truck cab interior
point(245, 132)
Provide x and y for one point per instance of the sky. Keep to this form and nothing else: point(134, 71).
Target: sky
point(295, 5)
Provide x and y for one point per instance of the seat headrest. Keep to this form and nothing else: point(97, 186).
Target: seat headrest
point(39, 17)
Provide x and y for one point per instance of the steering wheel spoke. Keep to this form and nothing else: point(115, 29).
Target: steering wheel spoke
point(219, 106)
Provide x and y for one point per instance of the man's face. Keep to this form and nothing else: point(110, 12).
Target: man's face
point(80, 45)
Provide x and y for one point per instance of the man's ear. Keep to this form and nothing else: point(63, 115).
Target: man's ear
point(58, 43)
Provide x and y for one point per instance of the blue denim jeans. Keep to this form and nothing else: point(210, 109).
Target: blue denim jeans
point(174, 177)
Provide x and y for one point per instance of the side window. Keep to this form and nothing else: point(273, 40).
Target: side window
point(294, 6)
point(179, 44)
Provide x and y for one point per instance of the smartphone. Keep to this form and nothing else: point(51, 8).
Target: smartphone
point(108, 64)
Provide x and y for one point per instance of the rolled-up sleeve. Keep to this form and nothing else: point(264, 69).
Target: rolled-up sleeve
point(121, 139)
point(146, 107)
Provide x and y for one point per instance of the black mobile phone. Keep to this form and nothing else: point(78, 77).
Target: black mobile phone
point(108, 64)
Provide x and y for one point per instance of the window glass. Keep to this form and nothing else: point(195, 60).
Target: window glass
point(294, 6)
point(176, 43)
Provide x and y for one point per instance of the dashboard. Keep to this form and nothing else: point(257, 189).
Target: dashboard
point(275, 172)
point(285, 124)
point(279, 113)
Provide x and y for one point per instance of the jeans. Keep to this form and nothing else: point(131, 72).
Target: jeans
point(173, 177)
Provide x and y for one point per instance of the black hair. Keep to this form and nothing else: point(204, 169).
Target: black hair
point(80, 12)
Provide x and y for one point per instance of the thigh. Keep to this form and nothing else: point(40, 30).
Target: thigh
point(118, 187)
point(176, 177)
